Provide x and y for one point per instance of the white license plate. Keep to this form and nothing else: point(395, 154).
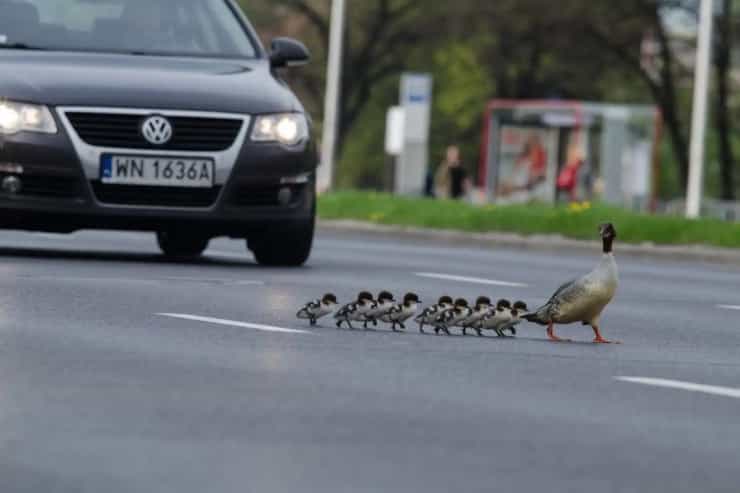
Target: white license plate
point(157, 171)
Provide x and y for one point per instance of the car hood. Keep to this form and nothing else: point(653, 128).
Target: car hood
point(111, 80)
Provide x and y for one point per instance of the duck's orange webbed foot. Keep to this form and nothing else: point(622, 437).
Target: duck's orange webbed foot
point(600, 340)
point(551, 334)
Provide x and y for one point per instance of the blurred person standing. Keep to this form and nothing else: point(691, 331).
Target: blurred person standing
point(429, 183)
point(451, 180)
point(569, 176)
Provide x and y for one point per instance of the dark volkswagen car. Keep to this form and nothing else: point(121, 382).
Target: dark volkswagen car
point(153, 115)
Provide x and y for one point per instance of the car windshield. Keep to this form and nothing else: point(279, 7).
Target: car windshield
point(206, 28)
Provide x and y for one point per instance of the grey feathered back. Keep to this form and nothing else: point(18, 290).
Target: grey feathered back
point(544, 314)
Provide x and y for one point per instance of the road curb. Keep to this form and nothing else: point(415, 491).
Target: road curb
point(548, 243)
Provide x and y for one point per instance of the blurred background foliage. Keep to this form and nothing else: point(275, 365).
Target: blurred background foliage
point(571, 49)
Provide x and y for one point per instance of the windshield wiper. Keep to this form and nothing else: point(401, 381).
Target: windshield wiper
point(21, 46)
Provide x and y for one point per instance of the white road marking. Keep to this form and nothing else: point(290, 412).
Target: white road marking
point(233, 323)
point(729, 307)
point(473, 280)
point(689, 386)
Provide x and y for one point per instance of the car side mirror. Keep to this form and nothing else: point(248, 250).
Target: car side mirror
point(287, 52)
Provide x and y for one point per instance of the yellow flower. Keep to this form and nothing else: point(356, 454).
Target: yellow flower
point(578, 207)
point(376, 216)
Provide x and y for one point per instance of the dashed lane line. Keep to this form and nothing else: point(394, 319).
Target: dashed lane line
point(681, 385)
point(233, 323)
point(472, 280)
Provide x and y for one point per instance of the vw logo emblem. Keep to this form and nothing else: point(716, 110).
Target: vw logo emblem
point(156, 130)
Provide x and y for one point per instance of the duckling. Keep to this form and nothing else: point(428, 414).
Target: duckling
point(430, 314)
point(314, 310)
point(481, 309)
point(584, 299)
point(452, 318)
point(383, 304)
point(497, 318)
point(519, 310)
point(355, 311)
point(400, 313)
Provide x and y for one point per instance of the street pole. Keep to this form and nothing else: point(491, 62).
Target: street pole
point(325, 177)
point(699, 113)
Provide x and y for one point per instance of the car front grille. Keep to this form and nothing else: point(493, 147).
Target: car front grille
point(198, 134)
point(155, 196)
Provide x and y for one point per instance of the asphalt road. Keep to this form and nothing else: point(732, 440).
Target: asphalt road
point(98, 392)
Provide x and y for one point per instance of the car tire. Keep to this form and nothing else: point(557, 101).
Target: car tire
point(287, 247)
point(180, 245)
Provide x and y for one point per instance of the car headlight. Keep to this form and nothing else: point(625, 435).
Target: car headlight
point(288, 128)
point(24, 117)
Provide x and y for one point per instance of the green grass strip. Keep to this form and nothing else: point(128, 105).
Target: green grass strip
point(573, 221)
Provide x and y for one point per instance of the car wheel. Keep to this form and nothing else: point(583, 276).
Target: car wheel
point(288, 247)
point(179, 245)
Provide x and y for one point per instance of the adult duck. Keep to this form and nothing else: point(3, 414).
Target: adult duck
point(584, 299)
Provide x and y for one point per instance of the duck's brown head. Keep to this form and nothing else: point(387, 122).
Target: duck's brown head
point(329, 299)
point(519, 308)
point(410, 298)
point(385, 296)
point(364, 296)
point(445, 300)
point(482, 301)
point(607, 233)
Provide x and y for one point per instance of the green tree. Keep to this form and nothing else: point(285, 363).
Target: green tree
point(379, 37)
point(506, 49)
point(619, 28)
point(462, 85)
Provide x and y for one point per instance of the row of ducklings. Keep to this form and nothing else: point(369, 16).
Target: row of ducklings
point(442, 316)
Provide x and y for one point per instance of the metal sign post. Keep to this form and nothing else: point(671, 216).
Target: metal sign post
point(325, 173)
point(699, 114)
point(416, 100)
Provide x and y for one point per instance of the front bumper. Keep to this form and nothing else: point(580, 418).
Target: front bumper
point(60, 192)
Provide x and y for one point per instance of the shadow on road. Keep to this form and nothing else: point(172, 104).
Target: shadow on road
point(458, 336)
point(108, 256)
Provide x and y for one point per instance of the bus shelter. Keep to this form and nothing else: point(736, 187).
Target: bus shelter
point(551, 151)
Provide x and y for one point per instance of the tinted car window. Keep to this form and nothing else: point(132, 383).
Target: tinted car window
point(158, 27)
